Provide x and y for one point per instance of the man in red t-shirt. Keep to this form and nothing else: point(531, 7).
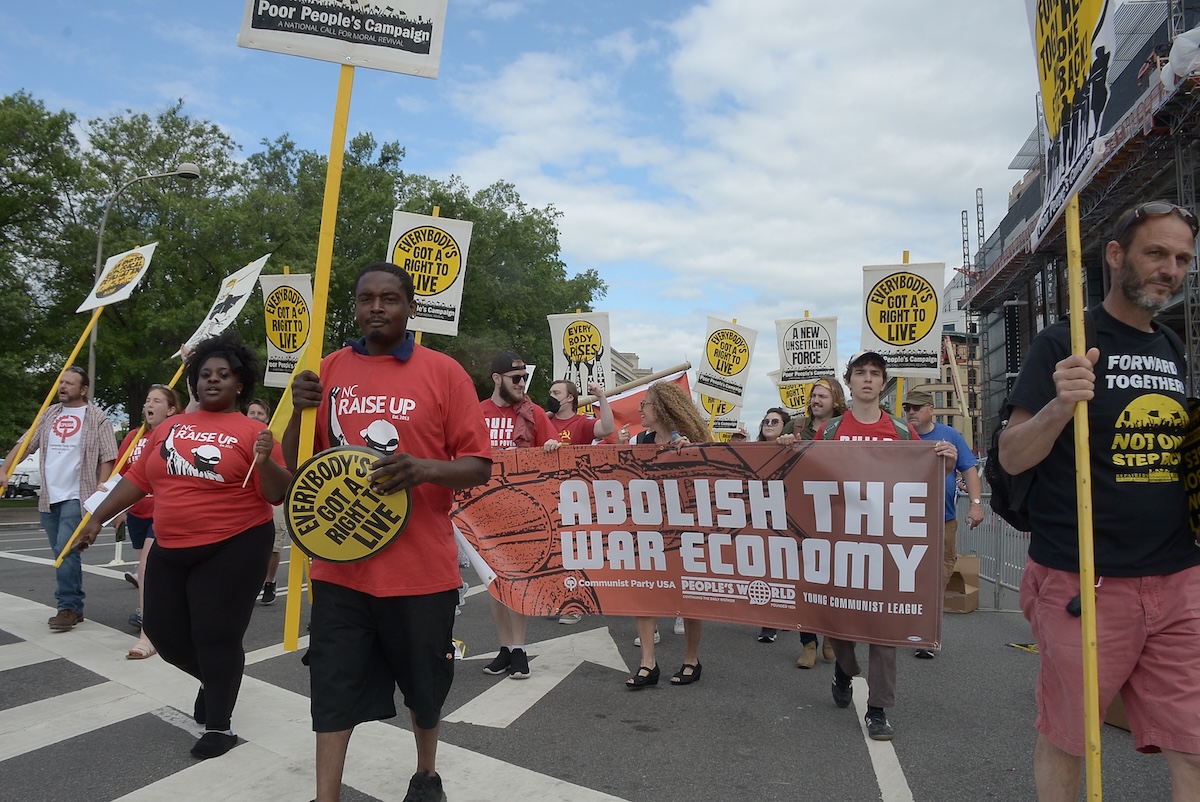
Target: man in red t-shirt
point(865, 419)
point(575, 429)
point(389, 620)
point(513, 421)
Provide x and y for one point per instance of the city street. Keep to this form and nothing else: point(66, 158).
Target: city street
point(79, 721)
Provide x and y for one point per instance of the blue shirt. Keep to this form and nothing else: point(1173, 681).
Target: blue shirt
point(966, 460)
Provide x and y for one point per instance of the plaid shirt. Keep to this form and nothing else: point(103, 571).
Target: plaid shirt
point(98, 445)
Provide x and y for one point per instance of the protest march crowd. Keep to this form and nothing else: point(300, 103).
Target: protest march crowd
point(387, 622)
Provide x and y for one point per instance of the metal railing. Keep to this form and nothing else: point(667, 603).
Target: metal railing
point(1001, 548)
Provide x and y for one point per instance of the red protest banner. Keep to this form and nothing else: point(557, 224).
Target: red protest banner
point(843, 539)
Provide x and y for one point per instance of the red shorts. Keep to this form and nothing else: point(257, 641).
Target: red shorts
point(1148, 647)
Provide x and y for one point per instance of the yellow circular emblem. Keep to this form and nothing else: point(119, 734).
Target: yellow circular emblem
point(794, 396)
point(333, 515)
point(714, 407)
point(288, 319)
point(431, 256)
point(727, 351)
point(121, 275)
point(581, 342)
point(902, 309)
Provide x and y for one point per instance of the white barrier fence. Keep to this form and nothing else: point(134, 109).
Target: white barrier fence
point(1001, 548)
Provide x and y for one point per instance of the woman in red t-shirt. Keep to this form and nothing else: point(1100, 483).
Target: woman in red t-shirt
point(161, 403)
point(213, 535)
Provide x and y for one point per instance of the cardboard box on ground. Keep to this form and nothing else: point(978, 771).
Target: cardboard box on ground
point(962, 592)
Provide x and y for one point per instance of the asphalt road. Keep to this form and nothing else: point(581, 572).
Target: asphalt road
point(77, 720)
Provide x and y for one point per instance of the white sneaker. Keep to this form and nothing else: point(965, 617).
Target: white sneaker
point(638, 640)
point(678, 626)
point(570, 618)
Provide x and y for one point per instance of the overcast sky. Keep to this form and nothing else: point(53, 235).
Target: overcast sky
point(728, 158)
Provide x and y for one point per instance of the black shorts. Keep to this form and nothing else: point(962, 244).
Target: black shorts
point(362, 647)
point(140, 530)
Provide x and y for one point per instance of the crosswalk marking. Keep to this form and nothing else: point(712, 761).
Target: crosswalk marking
point(48, 721)
point(19, 655)
point(276, 760)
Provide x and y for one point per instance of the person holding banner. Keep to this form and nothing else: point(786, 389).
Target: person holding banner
point(825, 401)
point(865, 419)
point(213, 533)
point(513, 421)
point(670, 418)
point(162, 402)
point(573, 428)
point(387, 621)
point(1147, 562)
point(78, 450)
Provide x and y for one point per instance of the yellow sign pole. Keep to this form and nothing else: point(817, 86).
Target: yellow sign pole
point(28, 438)
point(312, 354)
point(1083, 490)
point(87, 516)
point(900, 379)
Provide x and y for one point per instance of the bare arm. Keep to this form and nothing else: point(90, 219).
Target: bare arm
point(396, 472)
point(1028, 438)
point(306, 394)
point(125, 494)
point(974, 491)
point(606, 425)
point(273, 477)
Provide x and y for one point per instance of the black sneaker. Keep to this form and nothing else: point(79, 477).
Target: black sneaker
point(924, 654)
point(425, 787)
point(213, 744)
point(767, 635)
point(268, 596)
point(518, 668)
point(843, 692)
point(500, 664)
point(878, 728)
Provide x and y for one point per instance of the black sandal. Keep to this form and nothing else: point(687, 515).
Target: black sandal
point(643, 677)
point(682, 677)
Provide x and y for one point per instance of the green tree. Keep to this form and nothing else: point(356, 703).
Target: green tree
point(39, 174)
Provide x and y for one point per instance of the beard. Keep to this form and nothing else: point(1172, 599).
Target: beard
point(510, 393)
point(1134, 288)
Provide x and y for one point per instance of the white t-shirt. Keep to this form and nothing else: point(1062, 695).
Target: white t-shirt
point(63, 455)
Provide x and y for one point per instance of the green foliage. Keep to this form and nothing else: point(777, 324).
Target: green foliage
point(270, 202)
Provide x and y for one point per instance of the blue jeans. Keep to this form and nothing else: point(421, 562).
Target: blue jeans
point(60, 523)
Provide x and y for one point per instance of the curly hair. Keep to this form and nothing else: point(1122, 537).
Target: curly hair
point(674, 410)
point(240, 357)
point(835, 389)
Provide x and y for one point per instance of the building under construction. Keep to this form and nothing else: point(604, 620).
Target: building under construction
point(1150, 153)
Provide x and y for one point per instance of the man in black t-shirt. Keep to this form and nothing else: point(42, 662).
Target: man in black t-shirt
point(1147, 559)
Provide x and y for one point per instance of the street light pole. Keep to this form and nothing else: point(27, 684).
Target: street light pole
point(185, 170)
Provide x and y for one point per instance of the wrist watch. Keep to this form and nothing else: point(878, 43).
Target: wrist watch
point(977, 501)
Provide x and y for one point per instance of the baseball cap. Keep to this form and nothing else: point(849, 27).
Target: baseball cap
point(862, 356)
point(504, 362)
point(918, 398)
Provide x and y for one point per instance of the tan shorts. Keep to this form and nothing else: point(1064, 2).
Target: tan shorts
point(281, 533)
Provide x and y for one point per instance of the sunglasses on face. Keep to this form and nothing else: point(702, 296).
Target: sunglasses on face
point(772, 422)
point(520, 378)
point(1158, 208)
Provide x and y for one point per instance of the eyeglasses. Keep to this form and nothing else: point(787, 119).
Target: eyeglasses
point(520, 378)
point(772, 422)
point(643, 405)
point(1159, 208)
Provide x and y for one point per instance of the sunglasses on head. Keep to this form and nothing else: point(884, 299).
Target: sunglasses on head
point(1158, 208)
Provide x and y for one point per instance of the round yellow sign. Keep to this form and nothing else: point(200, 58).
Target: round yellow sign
point(795, 396)
point(288, 319)
point(902, 309)
point(121, 275)
point(714, 407)
point(581, 342)
point(728, 352)
point(431, 256)
point(333, 515)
